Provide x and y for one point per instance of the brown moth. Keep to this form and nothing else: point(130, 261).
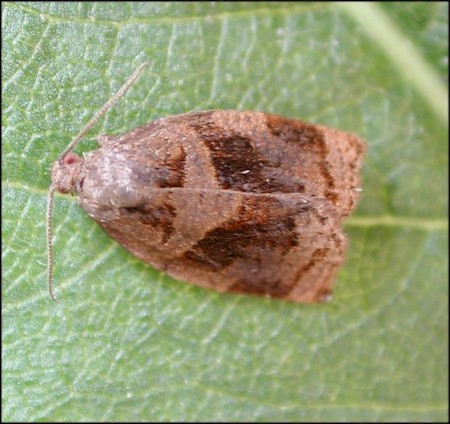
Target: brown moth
point(228, 200)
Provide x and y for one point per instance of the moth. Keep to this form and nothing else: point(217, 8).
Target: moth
point(228, 200)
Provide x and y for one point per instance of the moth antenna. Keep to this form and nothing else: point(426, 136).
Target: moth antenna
point(51, 191)
point(108, 105)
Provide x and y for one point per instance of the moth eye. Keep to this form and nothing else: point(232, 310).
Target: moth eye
point(71, 158)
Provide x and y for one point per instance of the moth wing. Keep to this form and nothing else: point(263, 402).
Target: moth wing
point(286, 246)
point(229, 200)
point(259, 152)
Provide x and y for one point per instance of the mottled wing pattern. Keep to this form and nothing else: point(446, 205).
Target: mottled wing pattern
point(233, 201)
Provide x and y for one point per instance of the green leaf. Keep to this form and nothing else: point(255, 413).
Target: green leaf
point(127, 343)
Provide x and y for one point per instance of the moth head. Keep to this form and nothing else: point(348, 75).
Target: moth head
point(66, 173)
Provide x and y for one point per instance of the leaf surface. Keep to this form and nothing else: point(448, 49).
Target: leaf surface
point(127, 343)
